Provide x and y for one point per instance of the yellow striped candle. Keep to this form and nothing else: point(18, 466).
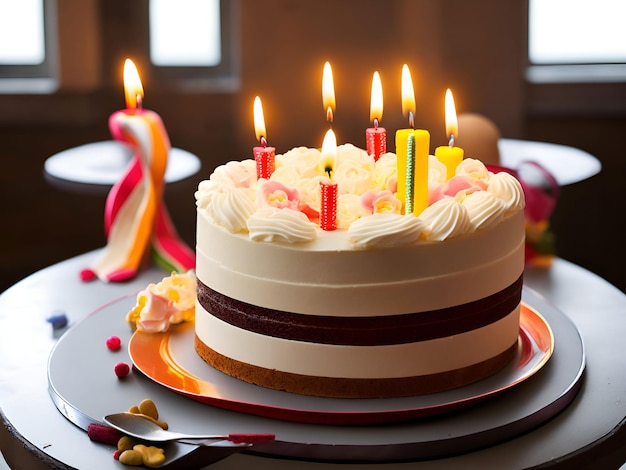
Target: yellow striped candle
point(412, 160)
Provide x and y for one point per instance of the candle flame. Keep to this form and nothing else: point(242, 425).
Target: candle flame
point(133, 90)
point(259, 120)
point(329, 152)
point(328, 92)
point(452, 123)
point(376, 100)
point(408, 95)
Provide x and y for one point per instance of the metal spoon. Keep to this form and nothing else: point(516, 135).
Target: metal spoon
point(143, 428)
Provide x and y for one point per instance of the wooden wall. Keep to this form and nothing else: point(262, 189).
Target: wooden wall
point(476, 48)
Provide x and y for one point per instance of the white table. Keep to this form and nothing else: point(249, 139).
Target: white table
point(567, 164)
point(588, 431)
point(103, 163)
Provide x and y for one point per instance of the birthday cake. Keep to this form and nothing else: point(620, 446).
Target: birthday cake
point(388, 304)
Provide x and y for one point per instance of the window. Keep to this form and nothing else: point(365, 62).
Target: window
point(178, 38)
point(27, 46)
point(191, 43)
point(576, 40)
point(21, 33)
point(195, 50)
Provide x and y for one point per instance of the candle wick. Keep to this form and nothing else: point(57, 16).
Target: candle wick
point(411, 120)
point(139, 102)
point(329, 172)
point(263, 141)
point(329, 114)
point(375, 123)
point(451, 141)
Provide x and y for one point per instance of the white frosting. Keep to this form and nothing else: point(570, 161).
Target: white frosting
point(484, 209)
point(332, 276)
point(366, 188)
point(509, 190)
point(386, 361)
point(385, 229)
point(467, 245)
point(270, 224)
point(446, 218)
point(228, 206)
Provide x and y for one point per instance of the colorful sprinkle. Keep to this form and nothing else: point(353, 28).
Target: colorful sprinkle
point(122, 369)
point(114, 343)
point(58, 320)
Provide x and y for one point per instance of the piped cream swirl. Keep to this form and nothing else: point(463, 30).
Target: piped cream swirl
point(228, 206)
point(385, 229)
point(445, 219)
point(484, 209)
point(509, 190)
point(270, 224)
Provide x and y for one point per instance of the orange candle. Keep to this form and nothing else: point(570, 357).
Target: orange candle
point(450, 155)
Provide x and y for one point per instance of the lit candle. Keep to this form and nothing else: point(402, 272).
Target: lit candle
point(328, 188)
point(263, 155)
point(450, 155)
point(412, 149)
point(376, 137)
point(135, 216)
point(328, 92)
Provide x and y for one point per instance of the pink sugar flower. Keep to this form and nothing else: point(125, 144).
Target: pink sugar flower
point(465, 183)
point(376, 200)
point(275, 194)
point(156, 314)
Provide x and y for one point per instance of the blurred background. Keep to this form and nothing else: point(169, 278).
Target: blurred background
point(276, 49)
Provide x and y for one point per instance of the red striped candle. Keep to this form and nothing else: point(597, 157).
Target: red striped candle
point(376, 137)
point(328, 205)
point(264, 158)
point(263, 155)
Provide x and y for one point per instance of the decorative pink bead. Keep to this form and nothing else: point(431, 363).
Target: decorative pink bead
point(87, 275)
point(122, 369)
point(114, 343)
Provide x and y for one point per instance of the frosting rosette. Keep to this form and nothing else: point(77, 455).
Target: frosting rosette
point(228, 206)
point(354, 170)
point(238, 174)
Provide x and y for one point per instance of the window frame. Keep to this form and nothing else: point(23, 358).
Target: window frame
point(36, 78)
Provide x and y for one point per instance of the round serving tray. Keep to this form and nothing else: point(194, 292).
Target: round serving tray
point(170, 359)
point(84, 388)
